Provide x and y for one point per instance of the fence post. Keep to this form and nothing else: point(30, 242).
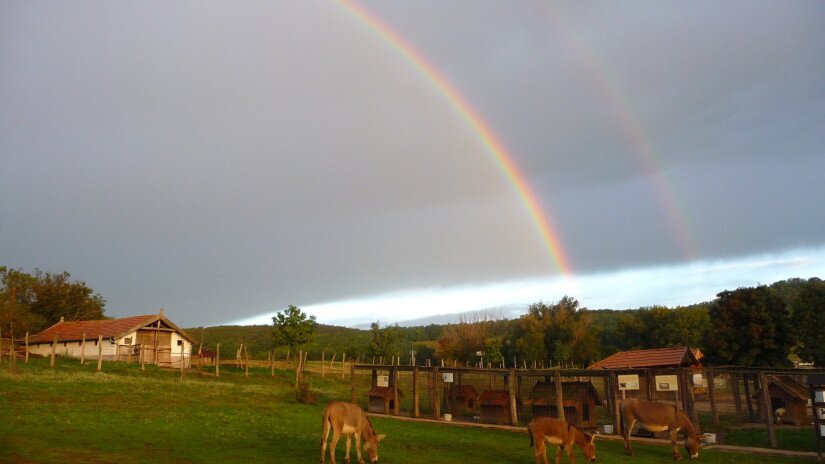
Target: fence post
point(83, 349)
point(416, 414)
point(436, 396)
point(182, 370)
point(54, 345)
point(711, 395)
point(246, 361)
point(395, 390)
point(737, 401)
point(511, 385)
point(352, 381)
point(612, 386)
point(343, 364)
point(559, 398)
point(748, 398)
point(27, 347)
point(218, 360)
point(99, 352)
point(766, 401)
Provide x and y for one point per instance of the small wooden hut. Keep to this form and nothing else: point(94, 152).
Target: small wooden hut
point(789, 395)
point(579, 402)
point(466, 399)
point(382, 400)
point(495, 407)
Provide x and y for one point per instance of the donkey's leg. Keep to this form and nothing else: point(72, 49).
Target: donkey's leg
point(541, 450)
point(349, 441)
point(676, 454)
point(358, 447)
point(628, 426)
point(570, 454)
point(336, 435)
point(558, 453)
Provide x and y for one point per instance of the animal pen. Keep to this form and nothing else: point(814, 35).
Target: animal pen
point(588, 398)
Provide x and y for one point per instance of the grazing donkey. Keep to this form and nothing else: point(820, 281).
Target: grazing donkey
point(559, 432)
point(657, 417)
point(349, 419)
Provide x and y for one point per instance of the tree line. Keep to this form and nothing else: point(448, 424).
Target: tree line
point(764, 325)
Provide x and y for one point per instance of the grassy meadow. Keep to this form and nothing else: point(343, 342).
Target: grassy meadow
point(74, 414)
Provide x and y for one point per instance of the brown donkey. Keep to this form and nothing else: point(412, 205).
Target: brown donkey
point(349, 419)
point(657, 417)
point(559, 432)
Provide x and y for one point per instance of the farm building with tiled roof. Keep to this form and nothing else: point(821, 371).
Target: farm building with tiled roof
point(677, 356)
point(153, 338)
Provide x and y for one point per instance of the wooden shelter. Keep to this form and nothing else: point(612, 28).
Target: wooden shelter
point(495, 407)
point(789, 395)
point(382, 399)
point(466, 399)
point(579, 400)
point(657, 358)
point(153, 337)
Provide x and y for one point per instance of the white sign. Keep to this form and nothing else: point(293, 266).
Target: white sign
point(479, 353)
point(628, 382)
point(822, 431)
point(667, 383)
point(820, 396)
point(720, 383)
point(698, 380)
point(383, 381)
point(448, 377)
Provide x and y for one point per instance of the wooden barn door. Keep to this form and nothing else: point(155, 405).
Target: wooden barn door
point(145, 338)
point(164, 348)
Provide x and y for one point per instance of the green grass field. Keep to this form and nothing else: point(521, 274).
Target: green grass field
point(125, 415)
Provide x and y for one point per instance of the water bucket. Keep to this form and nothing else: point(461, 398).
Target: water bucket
point(608, 429)
point(448, 417)
point(709, 439)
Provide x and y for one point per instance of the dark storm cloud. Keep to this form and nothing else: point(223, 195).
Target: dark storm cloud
point(226, 160)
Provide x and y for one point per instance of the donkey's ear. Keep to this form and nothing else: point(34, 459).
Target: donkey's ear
point(593, 438)
point(381, 437)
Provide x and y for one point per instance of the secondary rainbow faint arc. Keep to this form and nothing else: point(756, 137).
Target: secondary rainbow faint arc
point(504, 159)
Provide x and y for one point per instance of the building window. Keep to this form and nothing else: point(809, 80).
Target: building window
point(180, 342)
point(79, 343)
point(65, 344)
point(95, 342)
point(128, 341)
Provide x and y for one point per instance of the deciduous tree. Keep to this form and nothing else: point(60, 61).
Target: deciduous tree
point(750, 327)
point(293, 328)
point(809, 322)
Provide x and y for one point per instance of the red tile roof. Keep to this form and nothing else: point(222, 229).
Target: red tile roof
point(383, 392)
point(108, 328)
point(494, 398)
point(659, 357)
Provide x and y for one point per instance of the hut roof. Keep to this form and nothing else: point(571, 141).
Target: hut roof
point(544, 393)
point(382, 392)
point(107, 328)
point(789, 386)
point(465, 391)
point(494, 398)
point(677, 356)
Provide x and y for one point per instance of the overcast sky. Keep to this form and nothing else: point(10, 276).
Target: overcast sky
point(224, 160)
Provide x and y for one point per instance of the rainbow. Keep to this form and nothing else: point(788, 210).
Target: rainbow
point(503, 158)
point(634, 137)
